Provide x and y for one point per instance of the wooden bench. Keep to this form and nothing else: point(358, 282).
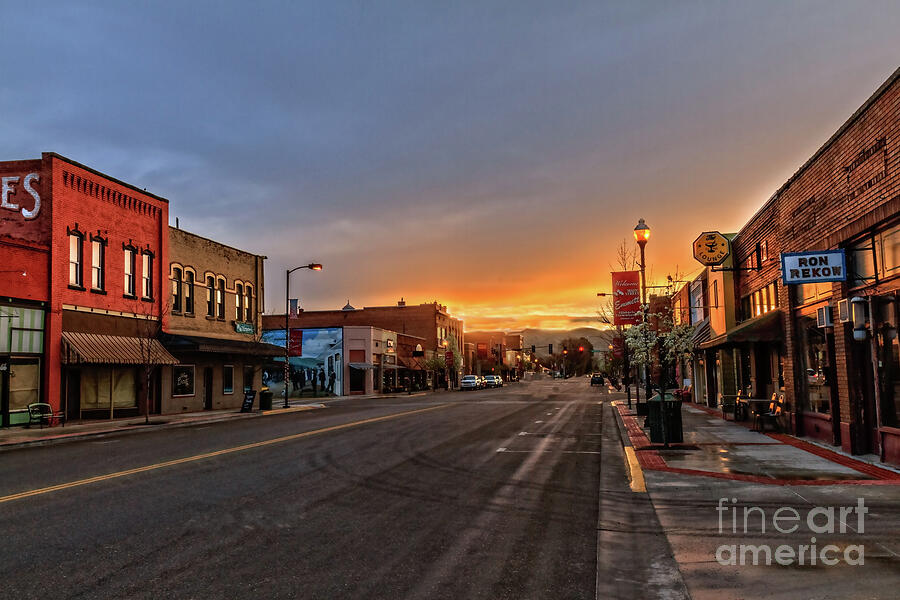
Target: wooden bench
point(42, 413)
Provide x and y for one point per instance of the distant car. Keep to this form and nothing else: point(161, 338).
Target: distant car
point(470, 382)
point(493, 381)
point(596, 379)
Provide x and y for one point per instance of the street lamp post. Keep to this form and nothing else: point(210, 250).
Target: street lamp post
point(287, 330)
point(642, 236)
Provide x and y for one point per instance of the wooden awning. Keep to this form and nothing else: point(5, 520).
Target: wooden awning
point(92, 348)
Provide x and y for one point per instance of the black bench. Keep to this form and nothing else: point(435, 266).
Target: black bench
point(42, 413)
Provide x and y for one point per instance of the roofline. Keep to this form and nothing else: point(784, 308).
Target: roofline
point(847, 124)
point(217, 242)
point(104, 175)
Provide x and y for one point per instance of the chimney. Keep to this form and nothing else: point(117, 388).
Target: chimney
point(402, 302)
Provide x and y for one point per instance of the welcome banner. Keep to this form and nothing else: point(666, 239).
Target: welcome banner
point(626, 297)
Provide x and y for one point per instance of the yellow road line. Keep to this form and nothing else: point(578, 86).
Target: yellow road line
point(187, 459)
point(634, 468)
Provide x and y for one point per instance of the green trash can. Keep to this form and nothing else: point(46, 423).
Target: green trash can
point(665, 420)
point(265, 400)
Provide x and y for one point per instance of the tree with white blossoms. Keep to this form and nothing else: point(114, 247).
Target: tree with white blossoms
point(666, 341)
point(641, 340)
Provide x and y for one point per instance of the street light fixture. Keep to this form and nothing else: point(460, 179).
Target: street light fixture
point(287, 330)
point(642, 236)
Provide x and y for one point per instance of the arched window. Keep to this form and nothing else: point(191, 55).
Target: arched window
point(248, 303)
point(189, 292)
point(76, 259)
point(210, 297)
point(177, 290)
point(220, 299)
point(238, 302)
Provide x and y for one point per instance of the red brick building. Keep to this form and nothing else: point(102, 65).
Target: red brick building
point(837, 366)
point(93, 251)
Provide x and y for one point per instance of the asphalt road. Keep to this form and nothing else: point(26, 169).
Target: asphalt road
point(487, 494)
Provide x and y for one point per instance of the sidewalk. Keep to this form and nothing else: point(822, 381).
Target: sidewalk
point(716, 448)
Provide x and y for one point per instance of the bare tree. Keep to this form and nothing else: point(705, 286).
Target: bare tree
point(149, 328)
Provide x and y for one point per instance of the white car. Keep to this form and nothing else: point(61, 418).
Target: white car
point(469, 382)
point(493, 381)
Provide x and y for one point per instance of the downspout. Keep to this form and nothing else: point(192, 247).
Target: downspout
point(876, 383)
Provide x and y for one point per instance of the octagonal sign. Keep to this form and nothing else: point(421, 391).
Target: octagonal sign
point(711, 248)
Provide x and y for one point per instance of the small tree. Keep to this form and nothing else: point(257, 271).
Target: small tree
point(149, 327)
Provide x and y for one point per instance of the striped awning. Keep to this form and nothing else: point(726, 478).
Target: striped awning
point(92, 348)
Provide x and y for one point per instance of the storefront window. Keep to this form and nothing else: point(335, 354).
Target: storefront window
point(227, 379)
point(183, 380)
point(813, 351)
point(24, 383)
point(248, 378)
point(105, 387)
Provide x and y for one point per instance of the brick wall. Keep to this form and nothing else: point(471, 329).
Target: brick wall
point(205, 257)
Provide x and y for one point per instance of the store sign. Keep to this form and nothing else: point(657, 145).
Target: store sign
point(12, 195)
point(711, 248)
point(813, 267)
point(626, 297)
point(242, 327)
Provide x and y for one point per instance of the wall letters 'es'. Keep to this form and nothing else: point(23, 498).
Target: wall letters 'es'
point(8, 200)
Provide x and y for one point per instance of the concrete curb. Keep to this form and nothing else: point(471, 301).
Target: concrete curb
point(635, 472)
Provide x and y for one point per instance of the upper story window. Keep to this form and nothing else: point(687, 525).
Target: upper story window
point(189, 292)
point(129, 271)
point(76, 243)
point(177, 290)
point(220, 298)
point(238, 302)
point(147, 275)
point(874, 258)
point(248, 303)
point(98, 263)
point(760, 302)
point(210, 298)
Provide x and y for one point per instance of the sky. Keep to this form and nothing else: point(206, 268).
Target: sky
point(490, 156)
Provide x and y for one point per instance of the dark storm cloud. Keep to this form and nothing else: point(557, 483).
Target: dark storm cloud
point(409, 133)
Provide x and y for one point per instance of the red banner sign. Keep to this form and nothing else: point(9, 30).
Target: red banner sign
point(295, 345)
point(626, 297)
point(618, 345)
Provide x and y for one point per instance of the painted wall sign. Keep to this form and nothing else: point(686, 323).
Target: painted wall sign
point(11, 199)
point(626, 297)
point(243, 327)
point(711, 248)
point(813, 267)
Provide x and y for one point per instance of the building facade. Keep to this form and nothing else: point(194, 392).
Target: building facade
point(213, 297)
point(828, 343)
point(83, 304)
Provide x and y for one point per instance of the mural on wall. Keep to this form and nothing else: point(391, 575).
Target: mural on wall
point(316, 360)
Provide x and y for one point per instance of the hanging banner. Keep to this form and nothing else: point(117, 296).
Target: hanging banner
point(626, 297)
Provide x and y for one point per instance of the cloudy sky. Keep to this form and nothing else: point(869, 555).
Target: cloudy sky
point(488, 155)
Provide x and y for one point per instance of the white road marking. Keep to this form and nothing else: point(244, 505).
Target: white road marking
point(538, 422)
point(501, 449)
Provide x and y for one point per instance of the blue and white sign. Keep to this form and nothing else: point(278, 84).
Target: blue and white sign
point(813, 267)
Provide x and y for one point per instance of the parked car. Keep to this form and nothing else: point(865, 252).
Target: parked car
point(470, 382)
point(493, 381)
point(596, 379)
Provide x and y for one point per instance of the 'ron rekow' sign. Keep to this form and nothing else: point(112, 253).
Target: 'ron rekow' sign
point(813, 267)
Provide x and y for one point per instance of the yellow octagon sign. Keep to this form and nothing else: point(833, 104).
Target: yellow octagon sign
point(711, 248)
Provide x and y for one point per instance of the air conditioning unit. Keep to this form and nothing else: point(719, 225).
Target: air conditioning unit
point(823, 317)
point(844, 311)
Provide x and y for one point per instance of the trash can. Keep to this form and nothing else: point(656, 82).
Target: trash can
point(665, 420)
point(265, 400)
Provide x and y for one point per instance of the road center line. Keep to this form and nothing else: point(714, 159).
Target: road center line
point(197, 457)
